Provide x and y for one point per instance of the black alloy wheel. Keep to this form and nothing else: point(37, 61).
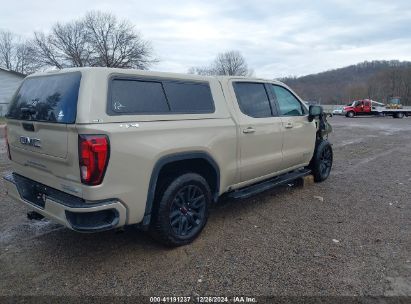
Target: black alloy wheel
point(187, 211)
point(180, 210)
point(326, 160)
point(322, 161)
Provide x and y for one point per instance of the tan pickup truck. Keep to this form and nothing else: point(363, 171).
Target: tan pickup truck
point(100, 148)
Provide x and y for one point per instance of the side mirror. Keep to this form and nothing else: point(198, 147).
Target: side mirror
point(314, 111)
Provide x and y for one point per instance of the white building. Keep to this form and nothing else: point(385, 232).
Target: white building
point(9, 82)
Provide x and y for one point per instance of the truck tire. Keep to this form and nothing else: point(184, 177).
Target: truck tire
point(400, 115)
point(350, 114)
point(322, 161)
point(181, 210)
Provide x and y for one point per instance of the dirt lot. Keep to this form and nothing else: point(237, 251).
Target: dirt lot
point(350, 235)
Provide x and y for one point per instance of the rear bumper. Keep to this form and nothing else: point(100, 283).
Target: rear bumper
point(69, 210)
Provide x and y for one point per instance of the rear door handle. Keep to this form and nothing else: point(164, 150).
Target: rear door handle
point(289, 125)
point(249, 130)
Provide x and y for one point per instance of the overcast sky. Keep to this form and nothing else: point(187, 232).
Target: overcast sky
point(278, 38)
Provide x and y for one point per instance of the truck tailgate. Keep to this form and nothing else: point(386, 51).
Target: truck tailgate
point(38, 138)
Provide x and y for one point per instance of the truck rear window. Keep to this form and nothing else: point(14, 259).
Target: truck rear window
point(132, 96)
point(47, 98)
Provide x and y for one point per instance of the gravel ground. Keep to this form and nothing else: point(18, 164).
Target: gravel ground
point(347, 236)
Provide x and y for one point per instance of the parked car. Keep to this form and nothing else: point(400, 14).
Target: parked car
point(338, 110)
point(100, 148)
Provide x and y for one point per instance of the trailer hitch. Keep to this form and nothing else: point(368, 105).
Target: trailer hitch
point(33, 215)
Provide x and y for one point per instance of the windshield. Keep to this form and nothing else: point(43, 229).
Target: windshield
point(47, 98)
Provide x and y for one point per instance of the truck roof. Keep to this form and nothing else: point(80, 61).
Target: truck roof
point(107, 71)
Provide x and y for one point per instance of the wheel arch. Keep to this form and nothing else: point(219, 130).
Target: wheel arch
point(178, 159)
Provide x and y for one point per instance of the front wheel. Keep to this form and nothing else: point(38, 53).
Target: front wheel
point(181, 210)
point(350, 114)
point(322, 161)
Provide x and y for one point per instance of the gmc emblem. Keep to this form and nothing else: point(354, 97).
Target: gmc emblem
point(34, 142)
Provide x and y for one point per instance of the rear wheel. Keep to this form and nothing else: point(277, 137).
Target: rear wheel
point(400, 115)
point(181, 210)
point(350, 114)
point(322, 161)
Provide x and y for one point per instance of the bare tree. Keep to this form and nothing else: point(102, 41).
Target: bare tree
point(45, 52)
point(99, 39)
point(227, 63)
point(230, 63)
point(205, 71)
point(71, 40)
point(25, 60)
point(6, 49)
point(15, 54)
point(116, 43)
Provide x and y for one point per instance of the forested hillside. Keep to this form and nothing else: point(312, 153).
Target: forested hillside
point(377, 80)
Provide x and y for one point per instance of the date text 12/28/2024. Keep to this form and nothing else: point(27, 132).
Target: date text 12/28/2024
point(203, 299)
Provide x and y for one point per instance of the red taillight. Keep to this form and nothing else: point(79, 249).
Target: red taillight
point(7, 143)
point(94, 151)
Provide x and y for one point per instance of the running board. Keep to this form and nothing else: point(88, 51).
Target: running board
point(268, 184)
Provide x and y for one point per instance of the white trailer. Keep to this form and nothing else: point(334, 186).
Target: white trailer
point(395, 113)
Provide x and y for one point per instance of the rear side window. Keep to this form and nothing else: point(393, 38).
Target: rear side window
point(253, 99)
point(47, 98)
point(192, 97)
point(131, 96)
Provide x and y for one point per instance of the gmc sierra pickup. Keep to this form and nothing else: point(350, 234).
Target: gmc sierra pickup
point(101, 148)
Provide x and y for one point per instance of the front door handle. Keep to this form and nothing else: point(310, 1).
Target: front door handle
point(249, 130)
point(289, 125)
